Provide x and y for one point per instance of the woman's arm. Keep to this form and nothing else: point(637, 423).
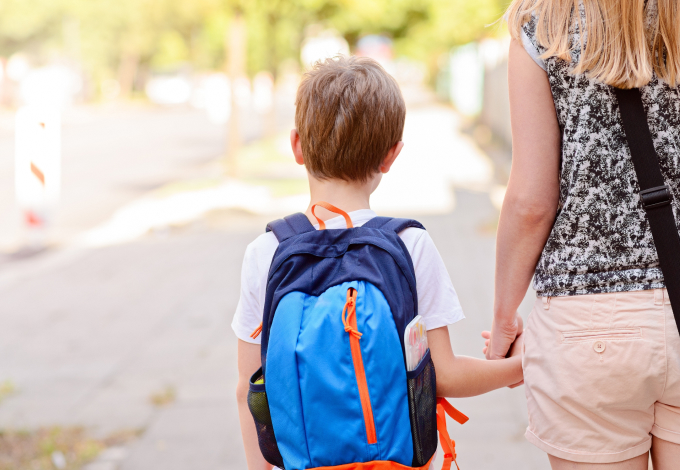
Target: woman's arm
point(462, 376)
point(248, 362)
point(531, 200)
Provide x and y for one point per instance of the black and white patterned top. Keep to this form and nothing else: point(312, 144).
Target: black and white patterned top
point(601, 241)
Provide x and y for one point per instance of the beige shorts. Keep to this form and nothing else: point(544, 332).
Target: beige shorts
point(602, 375)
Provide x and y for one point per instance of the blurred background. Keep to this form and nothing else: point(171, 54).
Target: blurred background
point(144, 144)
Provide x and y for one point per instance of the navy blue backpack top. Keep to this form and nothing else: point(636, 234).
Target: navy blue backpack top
point(333, 390)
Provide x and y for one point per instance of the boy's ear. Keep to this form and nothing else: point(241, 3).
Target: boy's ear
point(296, 146)
point(391, 157)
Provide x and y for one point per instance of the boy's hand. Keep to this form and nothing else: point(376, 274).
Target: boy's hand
point(487, 338)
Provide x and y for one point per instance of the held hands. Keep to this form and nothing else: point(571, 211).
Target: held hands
point(515, 348)
point(501, 337)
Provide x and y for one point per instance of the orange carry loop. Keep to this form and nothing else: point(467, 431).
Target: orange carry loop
point(322, 226)
point(332, 208)
point(448, 444)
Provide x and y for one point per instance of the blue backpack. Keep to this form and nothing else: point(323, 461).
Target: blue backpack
point(333, 390)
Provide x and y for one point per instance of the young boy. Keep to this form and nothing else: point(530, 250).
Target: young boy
point(349, 123)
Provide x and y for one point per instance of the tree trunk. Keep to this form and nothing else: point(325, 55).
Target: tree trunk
point(270, 125)
point(236, 68)
point(127, 71)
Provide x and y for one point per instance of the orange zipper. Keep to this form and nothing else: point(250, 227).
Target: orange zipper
point(350, 322)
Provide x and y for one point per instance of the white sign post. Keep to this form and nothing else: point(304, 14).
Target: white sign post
point(37, 167)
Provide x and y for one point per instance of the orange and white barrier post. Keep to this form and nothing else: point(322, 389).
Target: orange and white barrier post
point(37, 167)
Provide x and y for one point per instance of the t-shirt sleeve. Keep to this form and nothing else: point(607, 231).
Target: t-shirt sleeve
point(438, 302)
point(532, 50)
point(256, 263)
point(249, 309)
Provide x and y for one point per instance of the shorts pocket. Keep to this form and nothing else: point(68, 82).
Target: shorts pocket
point(616, 334)
point(259, 408)
point(422, 405)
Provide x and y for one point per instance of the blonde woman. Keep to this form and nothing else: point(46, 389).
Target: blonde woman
point(602, 351)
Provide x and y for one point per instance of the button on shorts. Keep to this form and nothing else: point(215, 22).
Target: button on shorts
point(602, 375)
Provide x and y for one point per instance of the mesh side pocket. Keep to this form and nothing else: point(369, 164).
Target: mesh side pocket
point(259, 408)
point(422, 405)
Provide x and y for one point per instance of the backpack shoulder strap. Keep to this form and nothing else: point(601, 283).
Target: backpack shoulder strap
point(289, 226)
point(654, 192)
point(391, 224)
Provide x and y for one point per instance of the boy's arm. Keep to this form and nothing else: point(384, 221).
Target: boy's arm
point(248, 362)
point(462, 376)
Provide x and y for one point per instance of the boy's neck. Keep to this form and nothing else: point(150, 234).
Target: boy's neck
point(346, 195)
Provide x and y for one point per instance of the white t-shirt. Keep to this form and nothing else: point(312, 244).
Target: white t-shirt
point(437, 299)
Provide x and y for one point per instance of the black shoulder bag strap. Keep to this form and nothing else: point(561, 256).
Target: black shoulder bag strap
point(655, 195)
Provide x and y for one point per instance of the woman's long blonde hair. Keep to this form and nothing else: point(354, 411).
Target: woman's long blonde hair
point(624, 45)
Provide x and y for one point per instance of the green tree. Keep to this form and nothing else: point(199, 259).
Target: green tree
point(30, 25)
point(124, 38)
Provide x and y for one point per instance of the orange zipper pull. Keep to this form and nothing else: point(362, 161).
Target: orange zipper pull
point(350, 308)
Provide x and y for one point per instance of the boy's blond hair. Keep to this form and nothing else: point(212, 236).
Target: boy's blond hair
point(350, 113)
